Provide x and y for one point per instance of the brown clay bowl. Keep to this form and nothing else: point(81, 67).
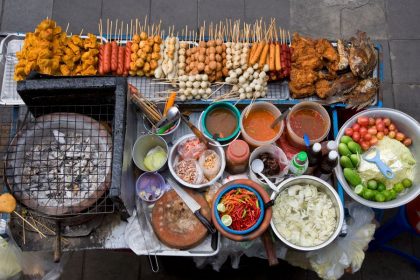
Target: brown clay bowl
point(267, 215)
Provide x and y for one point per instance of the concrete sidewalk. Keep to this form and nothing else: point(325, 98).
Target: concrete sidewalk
point(394, 24)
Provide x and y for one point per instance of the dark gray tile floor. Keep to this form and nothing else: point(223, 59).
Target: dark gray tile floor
point(394, 24)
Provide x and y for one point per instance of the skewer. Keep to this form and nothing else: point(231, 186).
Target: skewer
point(67, 28)
point(31, 225)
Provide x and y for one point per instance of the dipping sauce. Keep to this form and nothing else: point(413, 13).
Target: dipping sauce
point(257, 125)
point(307, 121)
point(221, 121)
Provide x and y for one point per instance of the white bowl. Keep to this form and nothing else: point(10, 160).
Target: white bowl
point(410, 127)
point(173, 154)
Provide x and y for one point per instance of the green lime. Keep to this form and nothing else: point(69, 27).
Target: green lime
point(398, 187)
point(393, 194)
point(407, 183)
point(359, 189)
point(368, 194)
point(227, 220)
point(221, 207)
point(372, 184)
point(381, 187)
point(387, 194)
point(380, 197)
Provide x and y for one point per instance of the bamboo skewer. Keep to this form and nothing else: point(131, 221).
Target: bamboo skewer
point(31, 225)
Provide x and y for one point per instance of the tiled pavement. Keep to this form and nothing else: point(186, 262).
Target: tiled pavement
point(393, 24)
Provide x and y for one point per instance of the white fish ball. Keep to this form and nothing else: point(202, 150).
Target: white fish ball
point(228, 80)
point(181, 58)
point(204, 84)
point(257, 87)
point(248, 89)
point(235, 88)
point(201, 91)
point(246, 75)
point(236, 65)
point(228, 57)
point(266, 68)
point(194, 92)
point(187, 91)
point(263, 93)
point(257, 94)
point(208, 91)
point(228, 52)
point(182, 97)
point(181, 84)
point(238, 71)
point(241, 90)
point(198, 77)
point(255, 66)
point(181, 72)
point(256, 75)
point(242, 96)
point(198, 96)
point(262, 75)
point(241, 79)
point(250, 70)
point(233, 74)
point(189, 84)
point(189, 97)
point(249, 95)
point(204, 77)
point(196, 84)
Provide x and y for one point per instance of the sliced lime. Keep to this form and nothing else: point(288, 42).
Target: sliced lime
point(359, 189)
point(221, 207)
point(227, 220)
point(407, 183)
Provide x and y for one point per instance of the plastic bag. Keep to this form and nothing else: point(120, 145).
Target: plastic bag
point(9, 259)
point(346, 252)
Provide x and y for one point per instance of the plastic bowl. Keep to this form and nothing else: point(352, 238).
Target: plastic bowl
point(143, 145)
point(298, 141)
point(214, 106)
point(329, 190)
point(260, 105)
point(265, 223)
point(216, 212)
point(173, 154)
point(409, 127)
point(277, 153)
point(146, 181)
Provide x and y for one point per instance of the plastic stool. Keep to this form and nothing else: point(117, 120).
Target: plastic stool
point(399, 224)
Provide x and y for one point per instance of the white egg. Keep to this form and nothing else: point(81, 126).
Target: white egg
point(182, 97)
point(191, 78)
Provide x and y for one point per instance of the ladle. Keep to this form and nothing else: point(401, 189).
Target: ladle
point(173, 114)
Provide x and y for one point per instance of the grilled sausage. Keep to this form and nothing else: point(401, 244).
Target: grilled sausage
point(120, 66)
point(114, 56)
point(107, 58)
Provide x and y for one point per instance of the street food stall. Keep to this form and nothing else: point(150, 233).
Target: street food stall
point(238, 137)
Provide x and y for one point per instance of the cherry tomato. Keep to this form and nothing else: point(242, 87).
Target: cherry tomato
point(386, 131)
point(391, 127)
point(400, 136)
point(380, 135)
point(380, 126)
point(407, 141)
point(373, 141)
point(372, 130)
point(363, 121)
point(371, 121)
point(356, 136)
point(363, 131)
point(387, 121)
point(367, 137)
point(356, 127)
point(391, 134)
point(365, 145)
point(349, 131)
point(378, 120)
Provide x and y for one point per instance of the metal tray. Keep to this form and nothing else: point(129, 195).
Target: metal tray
point(8, 48)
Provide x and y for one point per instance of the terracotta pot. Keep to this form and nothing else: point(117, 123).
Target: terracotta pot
point(265, 222)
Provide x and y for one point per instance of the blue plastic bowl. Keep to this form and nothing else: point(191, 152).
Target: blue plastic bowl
point(260, 203)
point(231, 108)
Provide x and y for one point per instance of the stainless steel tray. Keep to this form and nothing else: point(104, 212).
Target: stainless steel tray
point(134, 128)
point(8, 48)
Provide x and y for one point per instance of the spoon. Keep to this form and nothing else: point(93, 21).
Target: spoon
point(376, 159)
point(172, 114)
point(257, 166)
point(280, 118)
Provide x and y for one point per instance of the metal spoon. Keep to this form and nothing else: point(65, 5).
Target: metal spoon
point(280, 118)
point(172, 114)
point(257, 166)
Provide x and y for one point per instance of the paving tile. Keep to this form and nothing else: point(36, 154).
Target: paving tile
point(80, 14)
point(105, 264)
point(217, 10)
point(268, 9)
point(125, 10)
point(387, 93)
point(315, 18)
point(178, 13)
point(73, 269)
point(405, 61)
point(407, 99)
point(24, 15)
point(367, 17)
point(403, 18)
point(386, 60)
point(386, 266)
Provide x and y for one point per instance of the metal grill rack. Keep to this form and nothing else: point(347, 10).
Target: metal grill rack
point(58, 159)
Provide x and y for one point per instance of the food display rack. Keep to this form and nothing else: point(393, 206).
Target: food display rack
point(110, 235)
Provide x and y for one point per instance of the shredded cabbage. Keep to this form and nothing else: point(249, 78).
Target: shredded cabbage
point(304, 215)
